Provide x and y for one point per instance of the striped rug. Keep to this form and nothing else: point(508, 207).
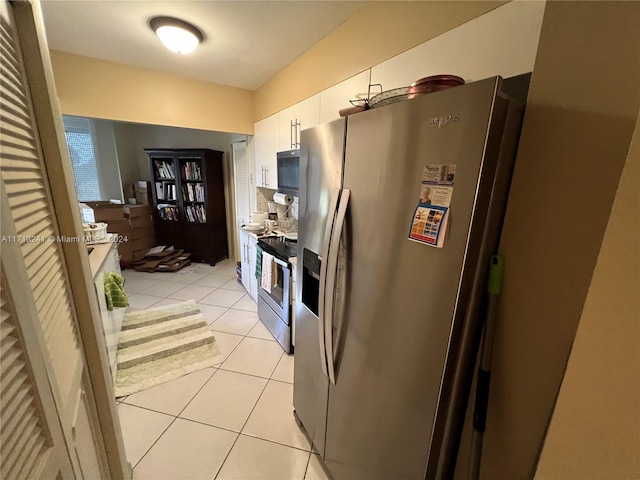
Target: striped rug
point(163, 343)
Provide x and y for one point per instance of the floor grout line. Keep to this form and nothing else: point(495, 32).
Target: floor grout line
point(306, 470)
point(245, 422)
point(240, 433)
point(215, 370)
point(277, 443)
point(153, 444)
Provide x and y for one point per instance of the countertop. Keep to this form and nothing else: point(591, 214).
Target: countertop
point(278, 233)
point(99, 253)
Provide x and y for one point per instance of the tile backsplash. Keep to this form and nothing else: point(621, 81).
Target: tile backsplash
point(263, 196)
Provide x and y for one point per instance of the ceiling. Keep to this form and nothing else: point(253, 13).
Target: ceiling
point(246, 42)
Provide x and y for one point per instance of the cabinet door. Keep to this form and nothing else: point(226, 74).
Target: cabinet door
point(266, 134)
point(253, 243)
point(244, 260)
point(304, 114)
point(334, 98)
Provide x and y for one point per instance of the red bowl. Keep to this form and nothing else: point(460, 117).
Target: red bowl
point(433, 84)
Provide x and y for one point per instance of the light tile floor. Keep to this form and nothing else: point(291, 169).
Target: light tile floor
point(231, 421)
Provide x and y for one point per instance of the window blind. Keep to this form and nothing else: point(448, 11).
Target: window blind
point(77, 131)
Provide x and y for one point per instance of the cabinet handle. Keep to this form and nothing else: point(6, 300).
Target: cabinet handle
point(266, 177)
point(297, 133)
point(263, 176)
point(292, 133)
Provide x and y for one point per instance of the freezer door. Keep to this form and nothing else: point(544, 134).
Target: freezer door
point(321, 161)
point(396, 300)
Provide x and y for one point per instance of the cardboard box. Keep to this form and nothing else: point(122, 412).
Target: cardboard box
point(106, 212)
point(125, 250)
point(145, 233)
point(129, 191)
point(133, 211)
point(139, 254)
point(86, 214)
point(119, 227)
point(143, 221)
point(142, 243)
point(142, 192)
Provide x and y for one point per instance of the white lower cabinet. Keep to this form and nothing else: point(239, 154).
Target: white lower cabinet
point(111, 320)
point(248, 244)
point(253, 246)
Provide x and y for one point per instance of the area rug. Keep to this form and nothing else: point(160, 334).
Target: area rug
point(163, 343)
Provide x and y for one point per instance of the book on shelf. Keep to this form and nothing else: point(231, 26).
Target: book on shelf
point(168, 212)
point(164, 169)
point(193, 192)
point(191, 171)
point(196, 214)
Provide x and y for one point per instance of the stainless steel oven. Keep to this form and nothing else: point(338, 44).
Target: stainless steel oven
point(274, 308)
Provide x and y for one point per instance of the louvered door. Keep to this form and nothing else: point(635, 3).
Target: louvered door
point(31, 441)
point(28, 195)
point(241, 177)
point(37, 270)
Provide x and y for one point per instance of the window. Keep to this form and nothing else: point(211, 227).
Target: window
point(78, 133)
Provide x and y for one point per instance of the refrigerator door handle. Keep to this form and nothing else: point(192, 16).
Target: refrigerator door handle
point(324, 256)
point(332, 267)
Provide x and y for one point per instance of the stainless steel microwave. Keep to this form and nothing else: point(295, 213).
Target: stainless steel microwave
point(289, 172)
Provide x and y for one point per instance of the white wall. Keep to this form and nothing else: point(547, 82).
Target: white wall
point(502, 42)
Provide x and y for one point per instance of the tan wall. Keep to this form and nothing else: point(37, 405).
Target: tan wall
point(95, 88)
point(582, 109)
point(595, 430)
point(375, 33)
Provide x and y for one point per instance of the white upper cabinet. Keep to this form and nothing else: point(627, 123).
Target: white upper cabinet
point(502, 42)
point(304, 114)
point(281, 131)
point(337, 97)
point(266, 140)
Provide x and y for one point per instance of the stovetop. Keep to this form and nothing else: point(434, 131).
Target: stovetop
point(280, 247)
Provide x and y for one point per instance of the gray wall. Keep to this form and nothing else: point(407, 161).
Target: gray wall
point(107, 157)
point(131, 140)
point(125, 142)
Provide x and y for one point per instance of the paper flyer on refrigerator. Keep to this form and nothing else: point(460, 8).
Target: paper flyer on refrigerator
point(430, 217)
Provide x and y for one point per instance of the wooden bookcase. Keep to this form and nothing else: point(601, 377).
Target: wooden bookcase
point(188, 201)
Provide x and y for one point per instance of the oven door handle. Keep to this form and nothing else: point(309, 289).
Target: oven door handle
point(331, 215)
point(332, 268)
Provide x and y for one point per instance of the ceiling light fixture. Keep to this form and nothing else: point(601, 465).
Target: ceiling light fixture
point(177, 35)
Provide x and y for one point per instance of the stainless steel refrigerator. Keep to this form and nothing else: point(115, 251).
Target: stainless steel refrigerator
point(388, 320)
